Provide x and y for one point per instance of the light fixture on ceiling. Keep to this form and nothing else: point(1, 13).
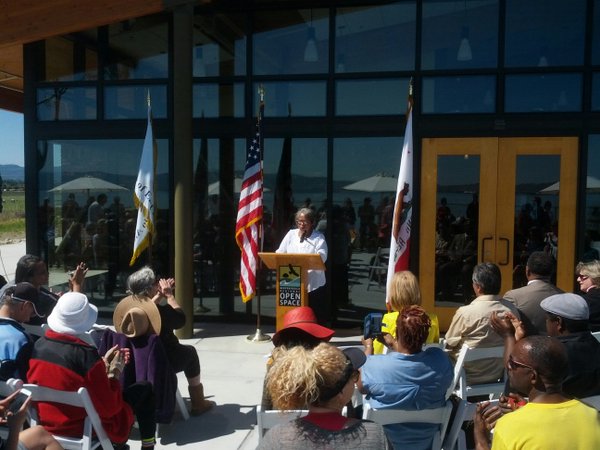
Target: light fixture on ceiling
point(464, 52)
point(311, 54)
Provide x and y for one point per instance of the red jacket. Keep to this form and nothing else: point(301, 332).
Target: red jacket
point(62, 361)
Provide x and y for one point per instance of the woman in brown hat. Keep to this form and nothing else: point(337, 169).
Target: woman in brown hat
point(144, 286)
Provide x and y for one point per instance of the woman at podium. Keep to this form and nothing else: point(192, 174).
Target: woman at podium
point(305, 239)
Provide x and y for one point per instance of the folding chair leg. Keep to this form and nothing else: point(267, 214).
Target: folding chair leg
point(182, 407)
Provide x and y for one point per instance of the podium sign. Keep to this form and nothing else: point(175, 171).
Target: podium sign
point(292, 278)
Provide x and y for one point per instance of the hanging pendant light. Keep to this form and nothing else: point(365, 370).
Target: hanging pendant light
point(464, 52)
point(311, 54)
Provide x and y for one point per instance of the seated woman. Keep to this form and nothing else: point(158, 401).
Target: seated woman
point(144, 285)
point(407, 377)
point(300, 327)
point(405, 292)
point(322, 380)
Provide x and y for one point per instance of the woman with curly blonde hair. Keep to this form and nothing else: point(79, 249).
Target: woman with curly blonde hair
point(404, 291)
point(588, 277)
point(322, 380)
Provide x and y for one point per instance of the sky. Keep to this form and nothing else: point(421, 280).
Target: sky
point(11, 138)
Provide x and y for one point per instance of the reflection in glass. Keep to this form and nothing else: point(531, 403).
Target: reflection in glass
point(456, 95)
point(596, 34)
point(72, 58)
point(592, 201)
point(219, 45)
point(281, 39)
point(536, 210)
point(543, 93)
point(138, 49)
point(596, 92)
point(130, 102)
point(457, 225)
point(66, 103)
point(219, 100)
point(69, 233)
point(371, 97)
point(362, 215)
point(459, 34)
point(543, 33)
point(375, 38)
point(304, 98)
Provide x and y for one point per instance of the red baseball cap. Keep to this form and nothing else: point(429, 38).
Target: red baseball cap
point(303, 318)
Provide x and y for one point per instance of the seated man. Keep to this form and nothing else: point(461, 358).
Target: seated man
point(536, 367)
point(407, 378)
point(471, 324)
point(18, 304)
point(63, 360)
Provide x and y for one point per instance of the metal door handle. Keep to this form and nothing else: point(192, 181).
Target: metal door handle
point(488, 238)
point(505, 262)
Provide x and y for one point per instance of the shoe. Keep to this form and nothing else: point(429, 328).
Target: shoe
point(199, 404)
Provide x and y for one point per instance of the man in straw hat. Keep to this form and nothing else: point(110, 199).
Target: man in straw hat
point(147, 294)
point(63, 359)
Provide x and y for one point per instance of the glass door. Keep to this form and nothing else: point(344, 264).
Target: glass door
point(497, 200)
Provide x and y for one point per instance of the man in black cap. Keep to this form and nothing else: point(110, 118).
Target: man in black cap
point(18, 304)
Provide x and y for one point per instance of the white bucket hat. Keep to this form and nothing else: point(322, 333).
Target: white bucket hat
point(73, 314)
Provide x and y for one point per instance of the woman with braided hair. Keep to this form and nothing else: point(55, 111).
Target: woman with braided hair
point(321, 380)
point(407, 377)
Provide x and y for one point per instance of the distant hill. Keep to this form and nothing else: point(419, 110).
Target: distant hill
point(12, 172)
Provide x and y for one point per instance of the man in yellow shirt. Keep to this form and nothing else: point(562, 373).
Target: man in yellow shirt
point(537, 366)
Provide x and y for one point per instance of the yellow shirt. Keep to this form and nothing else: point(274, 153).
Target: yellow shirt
point(388, 325)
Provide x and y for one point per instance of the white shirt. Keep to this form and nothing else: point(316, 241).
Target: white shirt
point(315, 243)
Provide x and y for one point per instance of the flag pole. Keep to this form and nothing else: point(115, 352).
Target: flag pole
point(259, 336)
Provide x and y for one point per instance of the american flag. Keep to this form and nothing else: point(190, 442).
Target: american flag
point(250, 213)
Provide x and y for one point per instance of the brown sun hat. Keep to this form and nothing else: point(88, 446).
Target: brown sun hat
point(136, 316)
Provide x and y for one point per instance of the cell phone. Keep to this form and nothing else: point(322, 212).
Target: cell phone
point(17, 402)
point(372, 325)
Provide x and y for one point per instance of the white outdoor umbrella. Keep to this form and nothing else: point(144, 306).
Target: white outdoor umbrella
point(376, 183)
point(592, 186)
point(86, 184)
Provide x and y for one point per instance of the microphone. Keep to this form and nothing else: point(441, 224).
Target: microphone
point(302, 237)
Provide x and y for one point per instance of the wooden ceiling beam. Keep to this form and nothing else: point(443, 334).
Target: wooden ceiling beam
point(24, 21)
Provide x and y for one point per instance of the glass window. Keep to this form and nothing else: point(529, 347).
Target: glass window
point(592, 200)
point(596, 34)
point(291, 42)
point(305, 98)
point(543, 93)
point(70, 58)
point(371, 97)
point(138, 49)
point(459, 34)
point(596, 92)
point(456, 95)
point(362, 200)
point(544, 33)
point(375, 38)
point(66, 103)
point(129, 102)
point(219, 100)
point(219, 45)
point(69, 235)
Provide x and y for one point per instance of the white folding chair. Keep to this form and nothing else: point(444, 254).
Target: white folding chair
point(439, 416)
point(378, 269)
point(267, 419)
point(593, 401)
point(459, 384)
point(596, 334)
point(82, 399)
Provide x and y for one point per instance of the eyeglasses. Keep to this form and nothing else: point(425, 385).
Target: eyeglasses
point(302, 222)
point(582, 277)
point(513, 364)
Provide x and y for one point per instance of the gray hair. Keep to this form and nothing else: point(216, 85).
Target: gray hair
point(487, 276)
point(308, 213)
point(139, 282)
point(590, 269)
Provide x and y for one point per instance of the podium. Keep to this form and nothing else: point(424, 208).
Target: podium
point(292, 279)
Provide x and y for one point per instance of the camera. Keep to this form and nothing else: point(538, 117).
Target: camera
point(372, 325)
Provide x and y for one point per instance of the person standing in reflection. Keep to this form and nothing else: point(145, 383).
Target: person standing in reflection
point(305, 239)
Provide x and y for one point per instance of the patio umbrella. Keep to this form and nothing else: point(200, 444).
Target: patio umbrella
point(592, 186)
point(376, 183)
point(87, 184)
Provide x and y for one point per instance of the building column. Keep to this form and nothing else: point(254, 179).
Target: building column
point(183, 162)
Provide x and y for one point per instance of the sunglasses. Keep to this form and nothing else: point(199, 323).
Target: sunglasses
point(582, 277)
point(513, 364)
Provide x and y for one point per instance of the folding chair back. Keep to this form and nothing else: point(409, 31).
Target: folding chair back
point(81, 399)
point(267, 419)
point(459, 384)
